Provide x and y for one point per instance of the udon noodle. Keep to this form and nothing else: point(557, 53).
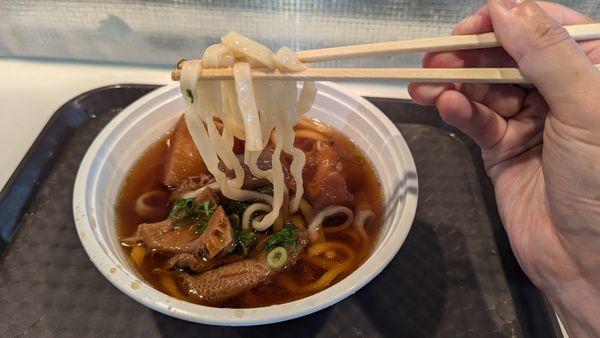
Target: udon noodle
point(250, 111)
point(272, 191)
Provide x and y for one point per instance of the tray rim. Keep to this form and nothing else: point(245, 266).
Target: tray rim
point(22, 203)
point(29, 174)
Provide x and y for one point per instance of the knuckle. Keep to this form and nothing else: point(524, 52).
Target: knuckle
point(547, 35)
point(549, 32)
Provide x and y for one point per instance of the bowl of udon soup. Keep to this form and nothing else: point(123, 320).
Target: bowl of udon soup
point(241, 201)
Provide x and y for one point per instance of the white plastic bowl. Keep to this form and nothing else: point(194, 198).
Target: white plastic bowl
point(129, 134)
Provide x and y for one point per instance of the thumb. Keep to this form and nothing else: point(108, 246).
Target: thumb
point(544, 51)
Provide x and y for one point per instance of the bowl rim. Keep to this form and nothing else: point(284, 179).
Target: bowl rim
point(120, 276)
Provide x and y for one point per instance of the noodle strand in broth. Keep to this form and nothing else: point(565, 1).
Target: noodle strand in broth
point(248, 112)
point(241, 203)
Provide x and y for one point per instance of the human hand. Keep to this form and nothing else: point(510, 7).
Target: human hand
point(541, 147)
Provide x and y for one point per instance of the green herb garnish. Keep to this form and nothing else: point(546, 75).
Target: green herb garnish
point(286, 237)
point(277, 257)
point(236, 222)
point(180, 63)
point(187, 211)
point(183, 212)
point(236, 207)
point(190, 95)
point(207, 209)
point(246, 239)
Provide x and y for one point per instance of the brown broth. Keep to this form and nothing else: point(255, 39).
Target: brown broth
point(362, 182)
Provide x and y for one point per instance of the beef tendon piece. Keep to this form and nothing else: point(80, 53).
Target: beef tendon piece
point(218, 285)
point(165, 239)
point(324, 181)
point(199, 264)
point(218, 238)
point(183, 159)
point(264, 162)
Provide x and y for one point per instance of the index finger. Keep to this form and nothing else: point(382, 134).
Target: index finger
point(480, 21)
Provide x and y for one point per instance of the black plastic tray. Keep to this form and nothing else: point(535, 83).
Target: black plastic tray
point(455, 276)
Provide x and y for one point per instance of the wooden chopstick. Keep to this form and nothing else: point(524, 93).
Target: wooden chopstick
point(446, 43)
point(455, 42)
point(443, 75)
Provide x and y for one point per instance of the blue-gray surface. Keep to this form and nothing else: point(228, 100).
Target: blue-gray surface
point(446, 281)
point(162, 32)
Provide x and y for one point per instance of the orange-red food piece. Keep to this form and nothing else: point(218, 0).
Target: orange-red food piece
point(183, 159)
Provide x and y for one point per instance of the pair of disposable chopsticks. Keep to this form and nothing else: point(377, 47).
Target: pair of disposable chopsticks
point(449, 43)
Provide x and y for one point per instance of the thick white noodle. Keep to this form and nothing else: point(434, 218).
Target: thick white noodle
point(305, 101)
point(197, 192)
point(287, 60)
point(227, 137)
point(265, 91)
point(195, 123)
point(289, 106)
point(317, 222)
point(250, 111)
point(361, 217)
point(217, 55)
point(247, 104)
point(232, 117)
point(251, 159)
point(189, 78)
point(250, 49)
point(223, 142)
point(210, 101)
point(144, 208)
point(279, 188)
point(250, 210)
point(298, 161)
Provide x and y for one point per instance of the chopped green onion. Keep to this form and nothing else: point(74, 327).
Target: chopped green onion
point(187, 211)
point(236, 207)
point(235, 221)
point(286, 237)
point(277, 257)
point(180, 63)
point(190, 95)
point(246, 239)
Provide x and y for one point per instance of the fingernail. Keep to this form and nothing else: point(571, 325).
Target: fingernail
point(510, 4)
point(431, 92)
point(465, 20)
